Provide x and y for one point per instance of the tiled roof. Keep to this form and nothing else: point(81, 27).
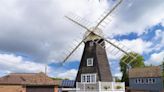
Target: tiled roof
point(153, 71)
point(27, 79)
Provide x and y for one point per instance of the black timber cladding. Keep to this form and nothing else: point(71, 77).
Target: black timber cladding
point(100, 63)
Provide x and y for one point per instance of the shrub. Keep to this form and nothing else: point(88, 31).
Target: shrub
point(118, 87)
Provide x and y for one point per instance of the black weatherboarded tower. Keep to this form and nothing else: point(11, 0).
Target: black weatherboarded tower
point(94, 66)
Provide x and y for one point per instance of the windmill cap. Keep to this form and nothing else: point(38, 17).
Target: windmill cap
point(94, 35)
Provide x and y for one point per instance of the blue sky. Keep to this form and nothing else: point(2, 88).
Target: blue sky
point(34, 34)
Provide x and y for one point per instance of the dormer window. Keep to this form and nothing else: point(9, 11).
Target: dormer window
point(89, 61)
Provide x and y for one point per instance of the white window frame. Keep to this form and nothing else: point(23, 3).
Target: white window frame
point(151, 80)
point(136, 81)
point(91, 43)
point(89, 61)
point(88, 78)
point(145, 81)
point(139, 81)
point(154, 80)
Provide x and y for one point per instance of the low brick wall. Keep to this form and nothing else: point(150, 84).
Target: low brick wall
point(12, 88)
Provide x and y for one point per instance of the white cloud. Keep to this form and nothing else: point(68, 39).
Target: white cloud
point(136, 19)
point(156, 58)
point(71, 74)
point(137, 45)
point(11, 63)
point(42, 25)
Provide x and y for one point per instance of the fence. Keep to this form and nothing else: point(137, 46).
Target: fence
point(100, 87)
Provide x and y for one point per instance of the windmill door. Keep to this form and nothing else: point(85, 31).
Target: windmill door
point(40, 89)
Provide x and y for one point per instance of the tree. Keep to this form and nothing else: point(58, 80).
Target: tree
point(132, 63)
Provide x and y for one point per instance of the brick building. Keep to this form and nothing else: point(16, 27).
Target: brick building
point(28, 82)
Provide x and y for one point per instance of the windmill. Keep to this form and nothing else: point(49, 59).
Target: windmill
point(94, 65)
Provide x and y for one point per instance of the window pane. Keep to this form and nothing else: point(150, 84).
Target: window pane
point(142, 81)
point(90, 62)
point(153, 80)
point(136, 81)
point(83, 78)
point(150, 81)
point(139, 81)
point(88, 78)
point(93, 78)
point(147, 81)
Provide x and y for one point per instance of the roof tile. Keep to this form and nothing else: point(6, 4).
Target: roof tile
point(153, 71)
point(27, 79)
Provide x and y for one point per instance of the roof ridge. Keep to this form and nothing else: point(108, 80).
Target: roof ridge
point(146, 67)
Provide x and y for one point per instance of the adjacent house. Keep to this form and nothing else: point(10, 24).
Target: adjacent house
point(28, 82)
point(147, 79)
